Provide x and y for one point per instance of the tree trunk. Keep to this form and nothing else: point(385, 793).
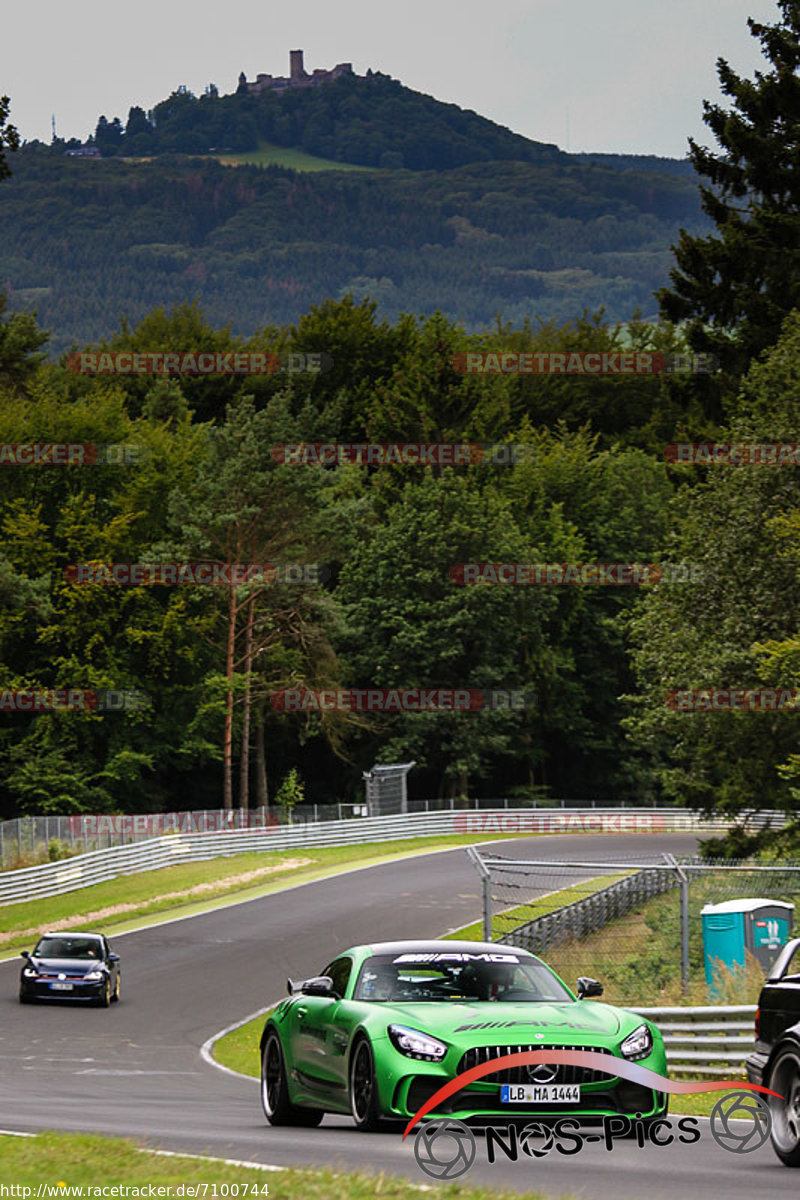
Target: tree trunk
point(244, 768)
point(227, 741)
point(262, 790)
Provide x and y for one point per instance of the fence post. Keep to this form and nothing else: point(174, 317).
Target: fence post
point(683, 882)
point(486, 880)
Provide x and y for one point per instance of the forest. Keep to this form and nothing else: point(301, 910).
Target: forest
point(366, 587)
point(85, 243)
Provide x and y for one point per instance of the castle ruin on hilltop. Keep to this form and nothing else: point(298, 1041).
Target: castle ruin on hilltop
point(298, 76)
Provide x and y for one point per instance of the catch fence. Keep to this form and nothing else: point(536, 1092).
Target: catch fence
point(634, 924)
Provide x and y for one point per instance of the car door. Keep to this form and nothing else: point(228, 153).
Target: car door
point(321, 1033)
point(112, 962)
point(780, 1002)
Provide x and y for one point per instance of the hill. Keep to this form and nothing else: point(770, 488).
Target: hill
point(87, 242)
point(370, 121)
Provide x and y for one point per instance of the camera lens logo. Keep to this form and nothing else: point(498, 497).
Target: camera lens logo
point(745, 1107)
point(445, 1149)
point(536, 1129)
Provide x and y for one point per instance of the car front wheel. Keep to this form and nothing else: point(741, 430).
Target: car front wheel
point(278, 1108)
point(785, 1080)
point(363, 1088)
point(105, 996)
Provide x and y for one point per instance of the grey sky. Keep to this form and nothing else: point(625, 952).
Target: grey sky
point(613, 75)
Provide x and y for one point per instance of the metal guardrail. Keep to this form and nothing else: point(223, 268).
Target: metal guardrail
point(32, 835)
point(705, 1041)
point(590, 914)
point(51, 879)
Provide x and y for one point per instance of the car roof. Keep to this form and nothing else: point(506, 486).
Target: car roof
point(65, 933)
point(441, 946)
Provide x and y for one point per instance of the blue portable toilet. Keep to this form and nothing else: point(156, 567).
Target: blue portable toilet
point(730, 928)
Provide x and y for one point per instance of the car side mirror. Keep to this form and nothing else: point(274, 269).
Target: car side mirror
point(588, 987)
point(320, 985)
point(112, 958)
point(25, 953)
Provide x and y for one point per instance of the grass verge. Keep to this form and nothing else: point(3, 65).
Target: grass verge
point(86, 1160)
point(130, 900)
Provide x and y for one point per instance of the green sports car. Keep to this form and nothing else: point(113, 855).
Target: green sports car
point(385, 1026)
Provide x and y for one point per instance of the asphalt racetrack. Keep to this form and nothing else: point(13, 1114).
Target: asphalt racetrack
point(136, 1068)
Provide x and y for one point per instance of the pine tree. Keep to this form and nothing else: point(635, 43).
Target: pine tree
point(734, 288)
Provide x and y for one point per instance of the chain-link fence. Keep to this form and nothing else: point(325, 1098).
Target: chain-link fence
point(27, 840)
point(636, 925)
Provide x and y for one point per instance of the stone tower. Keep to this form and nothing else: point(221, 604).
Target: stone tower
point(296, 71)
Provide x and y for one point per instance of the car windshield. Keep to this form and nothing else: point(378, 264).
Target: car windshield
point(68, 947)
point(466, 977)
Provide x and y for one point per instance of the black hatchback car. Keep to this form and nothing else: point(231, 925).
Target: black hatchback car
point(775, 1062)
point(70, 966)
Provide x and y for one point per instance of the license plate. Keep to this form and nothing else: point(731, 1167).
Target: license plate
point(543, 1093)
point(60, 987)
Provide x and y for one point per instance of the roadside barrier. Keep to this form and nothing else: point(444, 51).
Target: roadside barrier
point(82, 870)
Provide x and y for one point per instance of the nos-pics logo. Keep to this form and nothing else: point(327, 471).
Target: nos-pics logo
point(445, 1149)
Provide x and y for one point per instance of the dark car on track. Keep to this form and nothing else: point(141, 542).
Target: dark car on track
point(775, 1063)
point(70, 966)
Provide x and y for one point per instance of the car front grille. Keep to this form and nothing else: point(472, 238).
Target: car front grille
point(565, 1073)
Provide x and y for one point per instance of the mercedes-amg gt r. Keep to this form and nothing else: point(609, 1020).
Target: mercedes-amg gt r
point(385, 1026)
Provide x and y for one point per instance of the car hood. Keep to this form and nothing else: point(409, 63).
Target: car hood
point(493, 1023)
point(66, 966)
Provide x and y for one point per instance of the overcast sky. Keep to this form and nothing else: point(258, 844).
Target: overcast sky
point(613, 75)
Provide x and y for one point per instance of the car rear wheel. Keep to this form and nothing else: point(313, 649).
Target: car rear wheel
point(363, 1088)
point(278, 1108)
point(785, 1079)
point(115, 997)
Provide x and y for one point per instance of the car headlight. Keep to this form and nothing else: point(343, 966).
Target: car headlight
point(638, 1044)
point(29, 973)
point(94, 975)
point(415, 1044)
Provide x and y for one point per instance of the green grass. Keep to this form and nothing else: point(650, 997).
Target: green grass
point(81, 1160)
point(149, 896)
point(239, 1049)
point(268, 155)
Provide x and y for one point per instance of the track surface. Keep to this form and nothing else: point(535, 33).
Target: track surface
point(135, 1068)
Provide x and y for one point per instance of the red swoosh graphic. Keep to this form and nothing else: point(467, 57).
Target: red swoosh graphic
point(582, 1058)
